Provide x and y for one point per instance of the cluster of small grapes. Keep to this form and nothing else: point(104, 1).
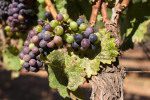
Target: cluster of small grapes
point(47, 36)
point(19, 16)
point(4, 9)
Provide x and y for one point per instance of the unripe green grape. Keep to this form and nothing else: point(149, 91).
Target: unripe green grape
point(58, 30)
point(66, 17)
point(21, 62)
point(54, 23)
point(38, 28)
point(7, 29)
point(82, 27)
point(31, 46)
point(73, 26)
point(69, 38)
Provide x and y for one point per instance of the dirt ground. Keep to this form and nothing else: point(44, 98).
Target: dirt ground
point(29, 86)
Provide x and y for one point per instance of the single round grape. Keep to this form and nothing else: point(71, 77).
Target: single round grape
point(26, 58)
point(82, 27)
point(22, 62)
point(93, 38)
point(74, 26)
point(42, 43)
point(51, 44)
point(46, 36)
point(35, 50)
point(39, 63)
point(38, 28)
point(59, 17)
point(78, 38)
point(75, 45)
point(31, 45)
point(32, 55)
point(21, 55)
point(90, 30)
point(86, 34)
point(15, 15)
point(20, 18)
point(20, 6)
point(10, 18)
point(32, 62)
point(58, 30)
point(66, 17)
point(47, 27)
point(26, 65)
point(80, 21)
point(26, 50)
point(15, 10)
point(35, 39)
point(54, 23)
point(33, 69)
point(58, 41)
point(41, 50)
point(26, 43)
point(85, 43)
point(69, 39)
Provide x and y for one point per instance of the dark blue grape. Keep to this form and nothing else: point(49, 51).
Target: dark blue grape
point(41, 36)
point(93, 38)
point(32, 55)
point(33, 69)
point(78, 38)
point(42, 43)
point(80, 21)
point(75, 45)
point(41, 50)
point(26, 65)
point(93, 47)
point(39, 63)
point(85, 43)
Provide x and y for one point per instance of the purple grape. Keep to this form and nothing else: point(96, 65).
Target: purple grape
point(46, 36)
point(59, 17)
point(90, 30)
point(85, 43)
point(41, 22)
point(32, 62)
point(14, 4)
point(32, 33)
point(15, 10)
point(10, 18)
point(80, 21)
point(26, 43)
point(93, 38)
point(39, 63)
point(41, 50)
point(51, 44)
point(15, 15)
point(32, 55)
point(26, 58)
point(35, 39)
point(26, 65)
point(21, 55)
point(26, 50)
point(75, 45)
point(38, 57)
point(86, 34)
point(35, 50)
point(20, 6)
point(47, 27)
point(42, 43)
point(78, 38)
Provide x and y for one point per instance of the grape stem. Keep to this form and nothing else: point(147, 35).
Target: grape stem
point(94, 13)
point(50, 8)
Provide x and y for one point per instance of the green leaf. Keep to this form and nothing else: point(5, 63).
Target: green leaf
point(57, 78)
point(11, 59)
point(109, 51)
point(60, 5)
point(91, 66)
point(75, 71)
point(41, 9)
point(140, 32)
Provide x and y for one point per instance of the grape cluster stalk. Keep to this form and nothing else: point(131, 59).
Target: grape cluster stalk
point(55, 34)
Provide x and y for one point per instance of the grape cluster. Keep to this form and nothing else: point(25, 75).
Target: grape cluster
point(20, 16)
point(47, 36)
point(4, 9)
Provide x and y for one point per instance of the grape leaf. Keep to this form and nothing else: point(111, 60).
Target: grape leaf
point(109, 51)
point(74, 71)
point(91, 66)
point(57, 78)
point(140, 32)
point(11, 59)
point(41, 9)
point(60, 5)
